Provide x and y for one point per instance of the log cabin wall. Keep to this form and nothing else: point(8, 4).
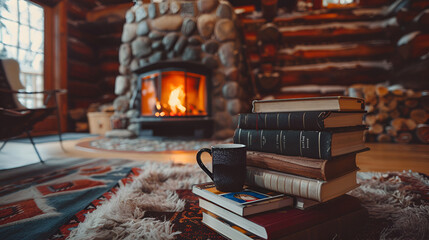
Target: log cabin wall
point(323, 47)
point(94, 32)
point(380, 54)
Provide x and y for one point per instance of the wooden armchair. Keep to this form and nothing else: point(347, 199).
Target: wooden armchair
point(16, 119)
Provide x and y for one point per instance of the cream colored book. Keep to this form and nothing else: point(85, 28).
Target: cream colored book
point(309, 188)
point(335, 103)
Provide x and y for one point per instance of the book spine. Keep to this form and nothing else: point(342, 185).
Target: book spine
point(312, 144)
point(298, 166)
point(287, 184)
point(287, 121)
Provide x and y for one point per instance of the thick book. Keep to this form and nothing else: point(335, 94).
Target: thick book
point(298, 186)
point(246, 202)
point(336, 103)
point(286, 222)
point(302, 166)
point(311, 144)
point(317, 121)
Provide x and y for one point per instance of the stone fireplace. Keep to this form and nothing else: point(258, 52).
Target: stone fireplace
point(189, 49)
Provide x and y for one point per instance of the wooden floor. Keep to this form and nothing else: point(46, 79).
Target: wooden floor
point(381, 157)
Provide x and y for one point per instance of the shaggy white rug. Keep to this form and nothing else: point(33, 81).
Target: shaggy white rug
point(386, 196)
point(402, 198)
point(122, 217)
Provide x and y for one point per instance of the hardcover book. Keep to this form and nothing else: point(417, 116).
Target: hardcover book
point(302, 166)
point(309, 188)
point(288, 222)
point(246, 202)
point(311, 144)
point(316, 121)
point(337, 103)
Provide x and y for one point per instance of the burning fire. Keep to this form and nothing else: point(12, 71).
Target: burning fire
point(177, 96)
point(175, 103)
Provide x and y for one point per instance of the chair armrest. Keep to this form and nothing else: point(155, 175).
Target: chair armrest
point(35, 92)
point(11, 112)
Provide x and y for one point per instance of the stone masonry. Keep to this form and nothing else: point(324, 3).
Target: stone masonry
point(203, 31)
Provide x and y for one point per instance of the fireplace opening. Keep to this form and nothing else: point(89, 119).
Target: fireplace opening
point(174, 97)
point(173, 93)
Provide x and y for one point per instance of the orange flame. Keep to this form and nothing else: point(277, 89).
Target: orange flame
point(177, 96)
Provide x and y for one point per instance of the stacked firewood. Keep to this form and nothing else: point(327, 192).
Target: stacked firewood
point(394, 114)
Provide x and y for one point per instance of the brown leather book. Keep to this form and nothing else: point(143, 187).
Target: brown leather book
point(302, 166)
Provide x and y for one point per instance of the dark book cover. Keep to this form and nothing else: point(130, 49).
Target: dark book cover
point(311, 144)
point(284, 120)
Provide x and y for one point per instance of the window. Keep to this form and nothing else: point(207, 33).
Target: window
point(22, 38)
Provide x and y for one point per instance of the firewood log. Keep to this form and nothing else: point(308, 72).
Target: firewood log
point(424, 102)
point(394, 113)
point(397, 90)
point(422, 133)
point(376, 129)
point(381, 90)
point(411, 103)
point(383, 137)
point(419, 115)
point(370, 119)
point(404, 137)
point(403, 124)
point(387, 106)
point(391, 131)
point(382, 116)
point(404, 110)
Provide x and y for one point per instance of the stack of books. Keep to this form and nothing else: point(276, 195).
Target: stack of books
point(303, 148)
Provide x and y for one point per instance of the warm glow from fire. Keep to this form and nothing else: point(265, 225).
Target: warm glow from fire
point(177, 97)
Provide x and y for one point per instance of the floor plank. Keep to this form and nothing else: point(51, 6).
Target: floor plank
point(382, 157)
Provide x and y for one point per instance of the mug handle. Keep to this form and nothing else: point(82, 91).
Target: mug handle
point(201, 163)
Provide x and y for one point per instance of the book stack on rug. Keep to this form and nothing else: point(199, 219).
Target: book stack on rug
point(303, 148)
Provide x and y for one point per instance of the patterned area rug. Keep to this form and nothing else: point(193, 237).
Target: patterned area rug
point(398, 204)
point(148, 144)
point(35, 207)
point(103, 199)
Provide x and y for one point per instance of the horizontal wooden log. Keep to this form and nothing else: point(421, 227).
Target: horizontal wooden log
point(330, 15)
point(102, 27)
point(79, 50)
point(368, 50)
point(109, 68)
point(413, 75)
point(108, 53)
point(73, 31)
point(88, 4)
point(405, 16)
point(374, 3)
point(422, 20)
point(82, 71)
point(346, 73)
point(116, 11)
point(339, 31)
point(76, 11)
point(413, 45)
point(419, 4)
point(109, 40)
point(77, 89)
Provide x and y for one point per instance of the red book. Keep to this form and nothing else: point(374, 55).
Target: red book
point(278, 223)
